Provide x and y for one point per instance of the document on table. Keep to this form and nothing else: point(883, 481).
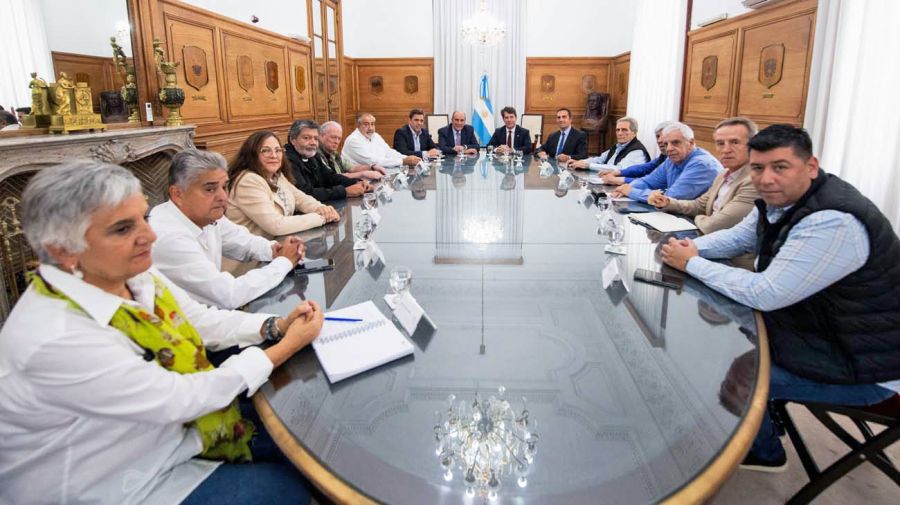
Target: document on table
point(347, 348)
point(663, 222)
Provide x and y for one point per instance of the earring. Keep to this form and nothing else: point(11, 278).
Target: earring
point(75, 271)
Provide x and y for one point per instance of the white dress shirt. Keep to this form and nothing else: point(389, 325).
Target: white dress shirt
point(192, 258)
point(85, 419)
point(362, 150)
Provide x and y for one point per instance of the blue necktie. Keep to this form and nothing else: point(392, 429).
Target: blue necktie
point(562, 142)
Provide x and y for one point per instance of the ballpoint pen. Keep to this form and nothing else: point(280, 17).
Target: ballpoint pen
point(343, 319)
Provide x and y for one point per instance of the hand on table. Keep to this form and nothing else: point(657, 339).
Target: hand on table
point(291, 248)
point(328, 213)
point(578, 164)
point(563, 158)
point(677, 253)
point(658, 199)
point(411, 160)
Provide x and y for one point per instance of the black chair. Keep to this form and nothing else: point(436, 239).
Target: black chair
point(869, 449)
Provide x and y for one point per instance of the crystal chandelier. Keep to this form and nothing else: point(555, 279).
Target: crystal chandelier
point(485, 443)
point(482, 28)
point(483, 230)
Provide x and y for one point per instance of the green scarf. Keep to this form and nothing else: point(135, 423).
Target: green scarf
point(177, 347)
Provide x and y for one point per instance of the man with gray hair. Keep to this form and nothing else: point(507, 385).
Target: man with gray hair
point(193, 234)
point(628, 150)
point(686, 174)
point(366, 147)
point(310, 175)
point(330, 135)
point(620, 176)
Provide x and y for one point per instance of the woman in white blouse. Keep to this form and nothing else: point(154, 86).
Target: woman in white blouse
point(106, 395)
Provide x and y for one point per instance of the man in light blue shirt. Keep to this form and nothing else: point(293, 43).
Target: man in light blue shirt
point(829, 303)
point(686, 174)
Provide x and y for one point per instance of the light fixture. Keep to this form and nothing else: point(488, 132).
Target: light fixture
point(483, 230)
point(482, 28)
point(485, 443)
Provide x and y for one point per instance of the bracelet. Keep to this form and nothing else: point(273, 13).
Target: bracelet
point(273, 334)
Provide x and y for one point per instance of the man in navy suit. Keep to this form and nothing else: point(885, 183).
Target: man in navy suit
point(574, 142)
point(457, 137)
point(413, 139)
point(510, 136)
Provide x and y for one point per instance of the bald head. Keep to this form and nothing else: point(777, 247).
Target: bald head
point(458, 119)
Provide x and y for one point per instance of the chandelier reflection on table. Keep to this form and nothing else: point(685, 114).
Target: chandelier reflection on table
point(485, 441)
point(483, 230)
point(482, 28)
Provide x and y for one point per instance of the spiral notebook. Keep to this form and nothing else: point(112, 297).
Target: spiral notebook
point(348, 348)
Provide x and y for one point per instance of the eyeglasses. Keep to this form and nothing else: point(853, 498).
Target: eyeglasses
point(268, 151)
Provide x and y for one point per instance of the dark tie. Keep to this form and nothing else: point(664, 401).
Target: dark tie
point(456, 137)
point(509, 138)
point(562, 142)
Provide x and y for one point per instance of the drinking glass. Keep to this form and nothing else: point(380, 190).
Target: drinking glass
point(490, 151)
point(363, 228)
point(616, 233)
point(370, 201)
point(603, 203)
point(519, 156)
point(401, 278)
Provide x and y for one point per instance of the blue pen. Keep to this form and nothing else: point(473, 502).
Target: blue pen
point(343, 319)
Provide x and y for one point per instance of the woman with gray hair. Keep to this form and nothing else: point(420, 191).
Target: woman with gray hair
point(106, 395)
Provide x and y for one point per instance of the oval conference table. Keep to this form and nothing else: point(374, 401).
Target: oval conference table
point(639, 395)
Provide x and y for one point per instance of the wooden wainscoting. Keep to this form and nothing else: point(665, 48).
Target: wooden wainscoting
point(349, 95)
point(97, 71)
point(390, 87)
point(618, 86)
point(552, 83)
point(755, 65)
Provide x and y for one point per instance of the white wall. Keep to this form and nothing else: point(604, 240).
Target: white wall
point(387, 28)
point(702, 10)
point(96, 23)
point(554, 28)
point(579, 27)
point(286, 17)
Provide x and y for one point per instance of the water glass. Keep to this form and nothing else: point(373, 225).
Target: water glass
point(490, 151)
point(401, 278)
point(603, 203)
point(363, 228)
point(615, 231)
point(370, 201)
point(519, 156)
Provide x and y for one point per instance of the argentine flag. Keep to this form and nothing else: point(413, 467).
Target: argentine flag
point(483, 115)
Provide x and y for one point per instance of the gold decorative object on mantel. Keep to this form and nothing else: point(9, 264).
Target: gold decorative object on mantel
point(72, 107)
point(129, 90)
point(40, 104)
point(170, 96)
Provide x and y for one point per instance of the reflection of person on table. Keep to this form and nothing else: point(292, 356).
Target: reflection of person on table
point(457, 137)
point(106, 393)
point(364, 146)
point(193, 235)
point(686, 174)
point(510, 137)
point(628, 150)
point(566, 143)
point(828, 282)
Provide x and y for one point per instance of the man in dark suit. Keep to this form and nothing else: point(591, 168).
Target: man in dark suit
point(574, 142)
point(511, 136)
point(413, 139)
point(457, 137)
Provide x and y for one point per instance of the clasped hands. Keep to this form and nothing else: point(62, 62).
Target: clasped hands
point(676, 253)
point(291, 248)
point(328, 213)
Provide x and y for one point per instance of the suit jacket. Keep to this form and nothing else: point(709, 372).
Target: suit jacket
point(521, 139)
point(576, 144)
point(403, 141)
point(446, 141)
point(316, 179)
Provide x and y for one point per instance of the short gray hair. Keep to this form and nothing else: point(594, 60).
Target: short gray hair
point(361, 115)
point(190, 163)
point(661, 126)
point(300, 125)
point(632, 122)
point(58, 202)
point(327, 125)
point(742, 121)
point(685, 130)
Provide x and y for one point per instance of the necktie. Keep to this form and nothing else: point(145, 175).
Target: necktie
point(456, 137)
point(562, 142)
point(509, 138)
point(417, 146)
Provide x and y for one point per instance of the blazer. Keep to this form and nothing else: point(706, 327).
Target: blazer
point(446, 140)
point(576, 144)
point(403, 141)
point(521, 139)
point(316, 179)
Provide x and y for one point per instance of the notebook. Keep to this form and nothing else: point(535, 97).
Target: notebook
point(346, 349)
point(663, 222)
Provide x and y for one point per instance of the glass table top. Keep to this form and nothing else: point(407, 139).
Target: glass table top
point(627, 389)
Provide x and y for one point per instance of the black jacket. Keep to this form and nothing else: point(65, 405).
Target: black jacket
point(575, 146)
point(315, 179)
point(404, 144)
point(848, 333)
point(634, 145)
point(521, 139)
point(446, 141)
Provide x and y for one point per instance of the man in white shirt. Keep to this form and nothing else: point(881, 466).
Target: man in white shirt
point(193, 234)
point(628, 150)
point(366, 147)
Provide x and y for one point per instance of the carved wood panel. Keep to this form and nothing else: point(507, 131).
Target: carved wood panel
point(301, 82)
point(249, 82)
point(711, 74)
point(200, 105)
point(390, 87)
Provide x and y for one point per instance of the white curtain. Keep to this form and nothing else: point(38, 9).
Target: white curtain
point(24, 50)
point(657, 58)
point(853, 106)
point(458, 66)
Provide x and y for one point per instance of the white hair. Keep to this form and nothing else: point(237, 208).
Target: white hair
point(58, 202)
point(685, 130)
point(661, 126)
point(327, 125)
point(190, 163)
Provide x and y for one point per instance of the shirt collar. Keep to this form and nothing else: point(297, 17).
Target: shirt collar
point(566, 131)
point(99, 305)
point(176, 213)
point(413, 131)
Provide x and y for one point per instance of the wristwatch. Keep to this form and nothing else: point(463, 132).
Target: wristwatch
point(273, 334)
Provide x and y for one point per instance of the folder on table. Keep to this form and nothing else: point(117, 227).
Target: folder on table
point(663, 222)
point(347, 348)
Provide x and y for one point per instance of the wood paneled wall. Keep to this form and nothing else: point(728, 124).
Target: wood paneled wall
point(755, 65)
point(237, 78)
point(98, 71)
point(552, 83)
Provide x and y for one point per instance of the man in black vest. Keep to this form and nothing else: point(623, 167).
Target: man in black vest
point(628, 150)
point(827, 282)
point(310, 175)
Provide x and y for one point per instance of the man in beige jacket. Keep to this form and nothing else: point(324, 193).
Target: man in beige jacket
point(731, 195)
